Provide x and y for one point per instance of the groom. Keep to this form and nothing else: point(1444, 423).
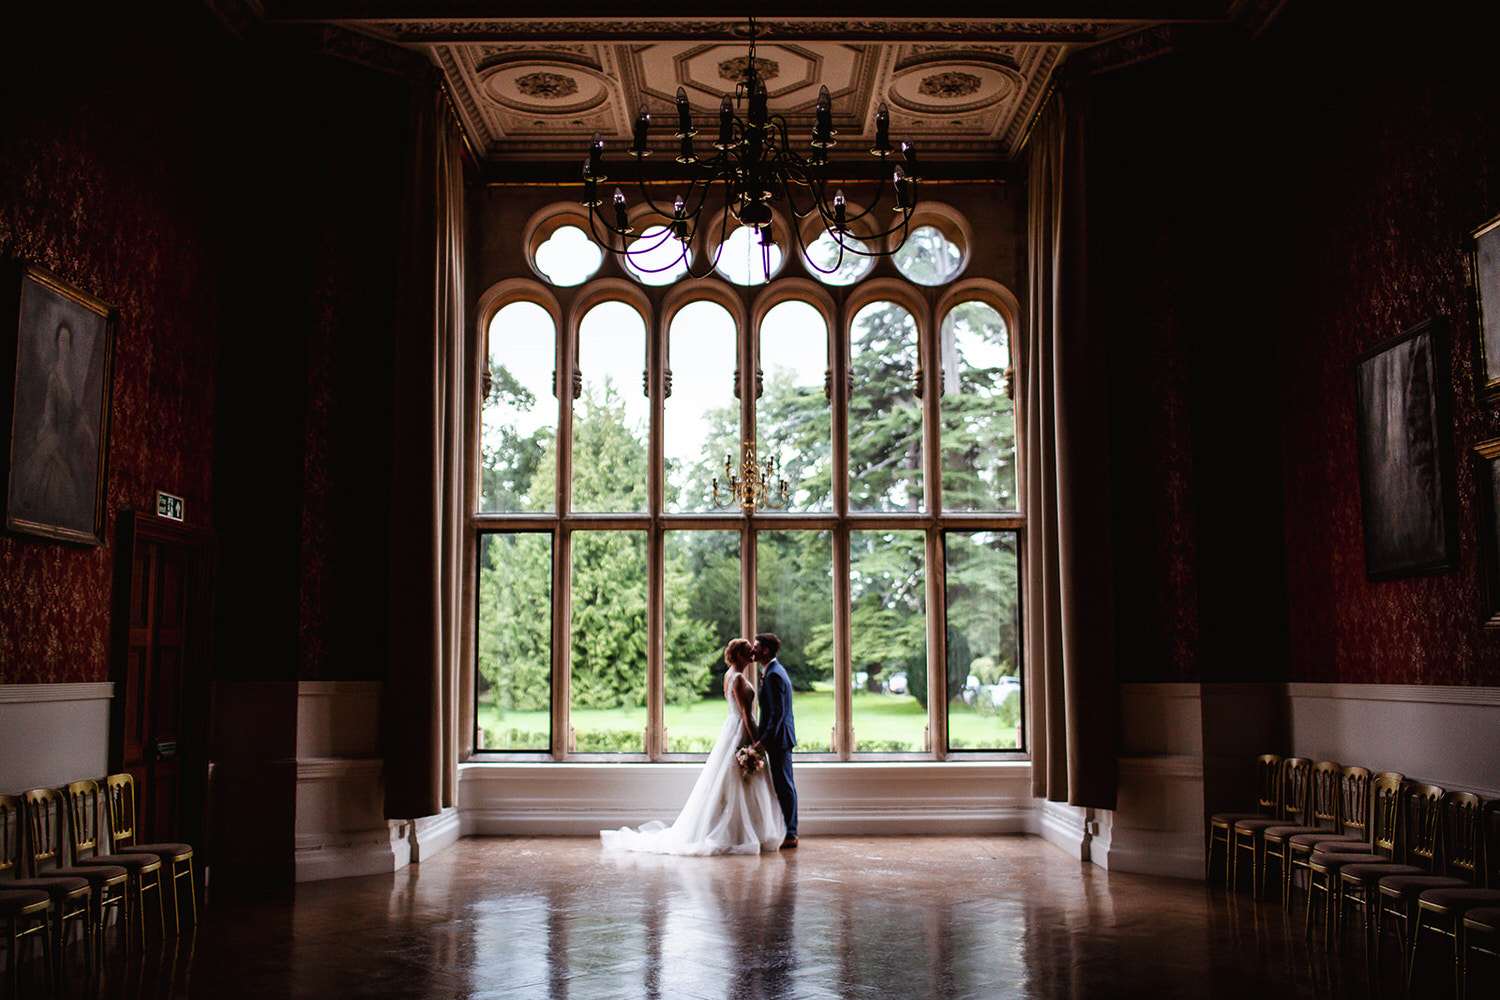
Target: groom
point(777, 734)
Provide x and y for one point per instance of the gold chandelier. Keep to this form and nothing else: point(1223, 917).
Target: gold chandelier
point(751, 488)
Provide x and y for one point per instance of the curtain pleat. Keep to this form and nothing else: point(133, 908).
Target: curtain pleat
point(421, 691)
point(1073, 704)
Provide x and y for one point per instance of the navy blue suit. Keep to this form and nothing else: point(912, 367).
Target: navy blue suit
point(778, 735)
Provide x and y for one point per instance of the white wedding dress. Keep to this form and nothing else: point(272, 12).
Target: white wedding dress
point(725, 813)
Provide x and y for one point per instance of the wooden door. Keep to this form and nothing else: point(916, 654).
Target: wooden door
point(159, 728)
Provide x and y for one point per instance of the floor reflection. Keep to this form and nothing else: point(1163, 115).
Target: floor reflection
point(946, 918)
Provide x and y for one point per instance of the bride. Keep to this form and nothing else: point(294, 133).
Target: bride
point(728, 811)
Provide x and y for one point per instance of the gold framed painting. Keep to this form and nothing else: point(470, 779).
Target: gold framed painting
point(59, 429)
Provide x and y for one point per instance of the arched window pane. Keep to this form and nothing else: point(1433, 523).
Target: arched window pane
point(609, 634)
point(702, 413)
point(611, 416)
point(794, 600)
point(979, 425)
point(929, 257)
point(513, 700)
point(568, 257)
point(744, 261)
point(792, 418)
point(885, 416)
point(656, 258)
point(518, 422)
point(835, 265)
point(984, 659)
point(888, 639)
point(702, 613)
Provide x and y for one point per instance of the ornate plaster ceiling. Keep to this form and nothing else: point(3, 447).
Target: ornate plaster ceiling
point(962, 88)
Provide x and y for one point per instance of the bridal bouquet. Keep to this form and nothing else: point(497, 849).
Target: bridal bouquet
point(750, 760)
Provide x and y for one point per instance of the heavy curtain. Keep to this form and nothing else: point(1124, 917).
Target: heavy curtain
point(1073, 713)
point(421, 690)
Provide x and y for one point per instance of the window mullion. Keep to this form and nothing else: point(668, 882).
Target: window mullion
point(839, 377)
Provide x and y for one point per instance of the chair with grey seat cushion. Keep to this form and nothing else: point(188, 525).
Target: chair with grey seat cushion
point(1474, 831)
point(70, 895)
point(46, 819)
point(1248, 834)
point(1221, 824)
point(176, 858)
point(27, 914)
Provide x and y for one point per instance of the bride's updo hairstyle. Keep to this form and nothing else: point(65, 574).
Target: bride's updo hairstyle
point(737, 653)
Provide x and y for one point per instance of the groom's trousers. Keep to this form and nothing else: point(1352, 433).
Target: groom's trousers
point(779, 762)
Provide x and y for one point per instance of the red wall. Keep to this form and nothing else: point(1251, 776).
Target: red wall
point(105, 180)
point(1390, 135)
point(1262, 217)
point(239, 202)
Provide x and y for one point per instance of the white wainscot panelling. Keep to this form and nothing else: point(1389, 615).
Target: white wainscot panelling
point(1444, 735)
point(1157, 824)
point(341, 825)
point(833, 799)
point(53, 734)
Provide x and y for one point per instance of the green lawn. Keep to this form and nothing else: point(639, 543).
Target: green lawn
point(881, 723)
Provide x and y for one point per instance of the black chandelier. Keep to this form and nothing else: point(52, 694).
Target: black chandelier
point(752, 166)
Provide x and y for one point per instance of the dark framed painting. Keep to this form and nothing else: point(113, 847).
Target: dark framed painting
point(59, 428)
point(1484, 262)
point(1487, 482)
point(1405, 457)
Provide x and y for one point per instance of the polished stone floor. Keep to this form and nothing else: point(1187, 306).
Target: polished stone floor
point(847, 918)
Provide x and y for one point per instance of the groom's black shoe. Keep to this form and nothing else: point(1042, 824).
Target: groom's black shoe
point(789, 842)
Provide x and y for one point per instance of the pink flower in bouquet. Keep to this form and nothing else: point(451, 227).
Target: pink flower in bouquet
point(750, 760)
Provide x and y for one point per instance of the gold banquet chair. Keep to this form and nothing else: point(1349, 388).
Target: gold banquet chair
point(1429, 812)
point(1315, 815)
point(1359, 883)
point(26, 913)
point(70, 895)
point(176, 859)
point(1474, 834)
point(46, 817)
point(1221, 824)
point(1249, 833)
point(86, 820)
point(1482, 937)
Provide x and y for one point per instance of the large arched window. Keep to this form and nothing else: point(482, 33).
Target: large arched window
point(615, 562)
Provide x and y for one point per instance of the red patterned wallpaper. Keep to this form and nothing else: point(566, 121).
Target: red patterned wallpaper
point(1387, 145)
point(103, 182)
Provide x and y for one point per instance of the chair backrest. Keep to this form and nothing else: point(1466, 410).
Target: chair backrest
point(1461, 836)
point(120, 791)
point(1492, 844)
point(1268, 784)
point(1323, 801)
point(10, 836)
point(1385, 812)
point(85, 818)
point(1354, 801)
point(1419, 828)
point(46, 815)
point(1296, 785)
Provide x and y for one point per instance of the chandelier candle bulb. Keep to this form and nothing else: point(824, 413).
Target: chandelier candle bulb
point(594, 169)
point(903, 191)
point(882, 131)
point(685, 128)
point(642, 123)
point(758, 104)
point(622, 217)
point(840, 212)
point(909, 153)
point(823, 128)
point(726, 124)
